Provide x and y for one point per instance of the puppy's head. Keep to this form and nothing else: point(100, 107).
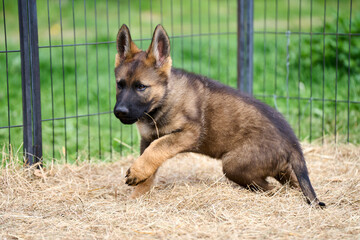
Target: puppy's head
point(141, 76)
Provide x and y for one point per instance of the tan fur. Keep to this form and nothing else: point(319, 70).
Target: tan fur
point(195, 114)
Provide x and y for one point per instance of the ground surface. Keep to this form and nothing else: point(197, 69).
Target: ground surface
point(191, 199)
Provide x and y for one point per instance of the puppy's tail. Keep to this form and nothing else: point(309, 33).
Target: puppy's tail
point(298, 165)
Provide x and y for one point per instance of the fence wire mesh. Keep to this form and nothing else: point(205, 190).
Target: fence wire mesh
point(309, 71)
point(305, 52)
point(77, 51)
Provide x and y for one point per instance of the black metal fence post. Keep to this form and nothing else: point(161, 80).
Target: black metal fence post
point(245, 46)
point(30, 75)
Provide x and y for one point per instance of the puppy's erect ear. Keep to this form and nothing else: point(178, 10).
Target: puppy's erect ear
point(160, 47)
point(125, 46)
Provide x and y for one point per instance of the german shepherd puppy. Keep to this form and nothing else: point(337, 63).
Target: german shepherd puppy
point(176, 111)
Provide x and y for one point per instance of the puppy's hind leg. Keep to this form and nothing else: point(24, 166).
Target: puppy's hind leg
point(260, 184)
point(287, 176)
point(243, 169)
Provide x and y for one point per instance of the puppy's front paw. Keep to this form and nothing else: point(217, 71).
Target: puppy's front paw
point(133, 177)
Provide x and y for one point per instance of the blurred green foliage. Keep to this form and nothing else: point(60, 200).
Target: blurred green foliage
point(77, 78)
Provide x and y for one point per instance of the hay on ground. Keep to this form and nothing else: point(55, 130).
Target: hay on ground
point(191, 199)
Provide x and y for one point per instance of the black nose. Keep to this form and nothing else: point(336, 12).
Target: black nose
point(121, 111)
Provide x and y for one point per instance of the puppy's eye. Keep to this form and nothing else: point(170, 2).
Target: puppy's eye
point(120, 84)
point(141, 87)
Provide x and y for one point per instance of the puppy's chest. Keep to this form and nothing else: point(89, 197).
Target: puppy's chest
point(152, 131)
point(145, 130)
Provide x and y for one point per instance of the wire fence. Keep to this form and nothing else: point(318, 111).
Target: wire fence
point(310, 56)
point(76, 54)
point(305, 60)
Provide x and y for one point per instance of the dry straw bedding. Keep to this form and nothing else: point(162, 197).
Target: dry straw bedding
point(191, 199)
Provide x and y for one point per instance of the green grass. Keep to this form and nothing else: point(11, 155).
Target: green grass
point(89, 85)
